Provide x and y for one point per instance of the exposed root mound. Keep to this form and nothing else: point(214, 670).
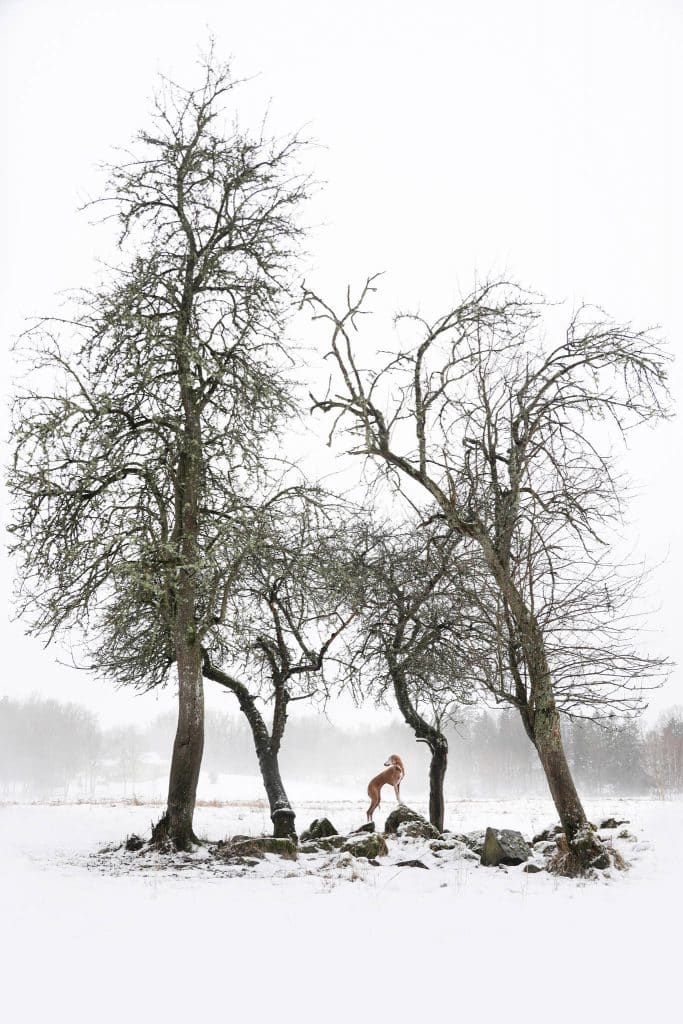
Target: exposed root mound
point(586, 855)
point(164, 840)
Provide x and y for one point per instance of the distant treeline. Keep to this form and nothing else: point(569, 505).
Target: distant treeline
point(59, 750)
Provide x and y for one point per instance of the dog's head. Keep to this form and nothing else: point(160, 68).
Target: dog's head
point(394, 759)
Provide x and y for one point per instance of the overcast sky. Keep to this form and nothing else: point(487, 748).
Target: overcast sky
point(535, 138)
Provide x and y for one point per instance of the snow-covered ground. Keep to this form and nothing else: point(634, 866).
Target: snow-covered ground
point(394, 944)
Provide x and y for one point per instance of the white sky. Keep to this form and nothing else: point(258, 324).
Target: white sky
point(538, 138)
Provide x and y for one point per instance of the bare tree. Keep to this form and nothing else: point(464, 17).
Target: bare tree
point(418, 636)
point(508, 439)
point(141, 441)
point(279, 627)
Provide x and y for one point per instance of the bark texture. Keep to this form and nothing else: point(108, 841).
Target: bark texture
point(424, 733)
point(267, 749)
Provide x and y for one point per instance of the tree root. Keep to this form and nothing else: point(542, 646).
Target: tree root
point(584, 855)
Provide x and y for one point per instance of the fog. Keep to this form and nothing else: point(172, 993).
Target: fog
point(57, 751)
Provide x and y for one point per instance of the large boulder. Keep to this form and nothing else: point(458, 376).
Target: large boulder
point(366, 845)
point(504, 846)
point(404, 821)
point(320, 828)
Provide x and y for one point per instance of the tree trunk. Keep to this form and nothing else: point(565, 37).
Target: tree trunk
point(550, 749)
point(281, 813)
point(177, 823)
point(541, 719)
point(437, 774)
point(547, 737)
point(188, 746)
point(424, 733)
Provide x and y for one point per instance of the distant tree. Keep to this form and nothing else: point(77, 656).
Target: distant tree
point(144, 436)
point(45, 744)
point(507, 438)
point(663, 752)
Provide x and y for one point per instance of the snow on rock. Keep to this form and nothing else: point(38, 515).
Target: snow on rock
point(407, 822)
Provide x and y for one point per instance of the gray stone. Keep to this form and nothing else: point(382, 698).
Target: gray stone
point(411, 864)
point(473, 841)
point(320, 828)
point(403, 821)
point(547, 834)
point(370, 846)
point(504, 846)
point(369, 826)
point(532, 869)
point(417, 830)
point(614, 822)
point(324, 845)
point(257, 846)
point(443, 844)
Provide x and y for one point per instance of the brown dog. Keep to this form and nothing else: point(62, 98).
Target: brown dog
point(392, 775)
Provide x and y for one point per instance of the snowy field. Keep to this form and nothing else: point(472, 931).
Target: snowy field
point(379, 943)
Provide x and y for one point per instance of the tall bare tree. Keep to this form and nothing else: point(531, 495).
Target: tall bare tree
point(509, 439)
point(140, 442)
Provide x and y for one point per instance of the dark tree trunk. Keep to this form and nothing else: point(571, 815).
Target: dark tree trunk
point(437, 774)
point(541, 718)
point(188, 746)
point(550, 748)
point(424, 733)
point(281, 813)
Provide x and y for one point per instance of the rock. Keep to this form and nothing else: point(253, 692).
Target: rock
point(257, 846)
point(324, 845)
point(410, 864)
point(614, 823)
point(403, 815)
point(504, 846)
point(369, 826)
point(546, 849)
point(371, 846)
point(134, 843)
point(547, 834)
point(602, 861)
point(473, 841)
point(320, 828)
point(417, 830)
point(532, 869)
point(625, 834)
point(442, 844)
